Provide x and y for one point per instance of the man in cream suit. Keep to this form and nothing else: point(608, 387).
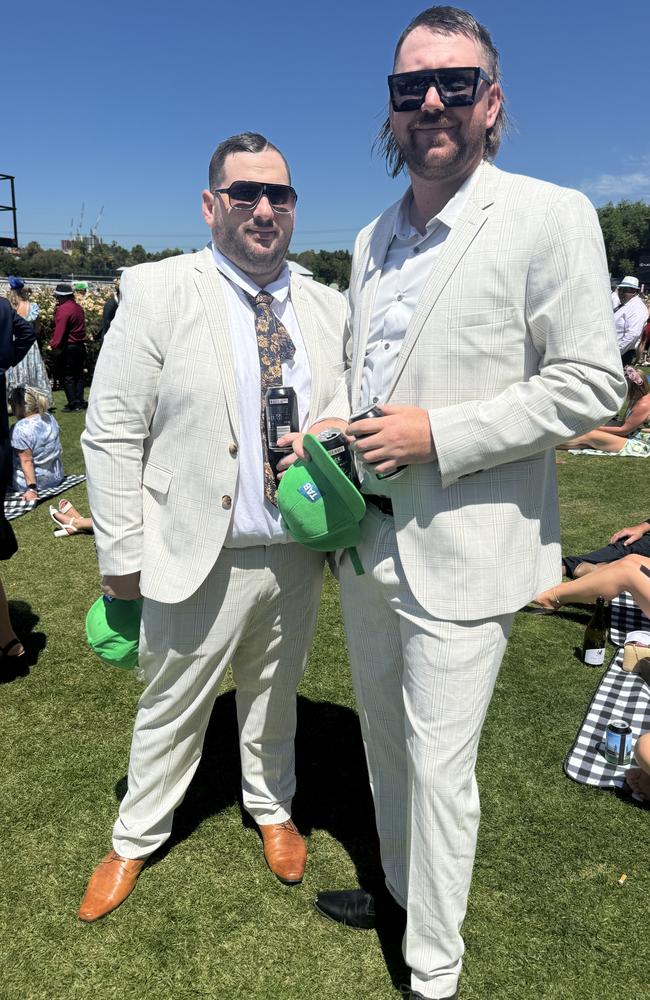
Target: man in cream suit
point(482, 327)
point(183, 504)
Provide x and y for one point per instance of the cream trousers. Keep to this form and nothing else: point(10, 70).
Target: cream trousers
point(257, 612)
point(423, 687)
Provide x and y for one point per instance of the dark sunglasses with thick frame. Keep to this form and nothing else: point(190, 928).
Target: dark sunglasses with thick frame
point(456, 87)
point(244, 196)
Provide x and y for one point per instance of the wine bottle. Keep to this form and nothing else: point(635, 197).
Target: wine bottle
point(595, 641)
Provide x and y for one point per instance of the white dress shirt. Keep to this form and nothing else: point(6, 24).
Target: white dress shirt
point(255, 521)
point(629, 321)
point(409, 262)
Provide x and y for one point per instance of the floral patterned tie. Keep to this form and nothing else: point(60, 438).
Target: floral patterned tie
point(275, 346)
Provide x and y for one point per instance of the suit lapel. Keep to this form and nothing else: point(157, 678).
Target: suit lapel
point(208, 286)
point(302, 309)
point(463, 233)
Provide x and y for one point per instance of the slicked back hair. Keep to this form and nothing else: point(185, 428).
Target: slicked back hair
point(448, 21)
point(245, 142)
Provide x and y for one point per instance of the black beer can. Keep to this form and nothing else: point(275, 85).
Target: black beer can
point(281, 414)
point(618, 742)
point(337, 446)
point(374, 411)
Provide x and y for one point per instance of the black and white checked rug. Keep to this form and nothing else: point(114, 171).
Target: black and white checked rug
point(15, 505)
point(620, 695)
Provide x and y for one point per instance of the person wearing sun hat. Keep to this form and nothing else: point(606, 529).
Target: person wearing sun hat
point(68, 343)
point(629, 317)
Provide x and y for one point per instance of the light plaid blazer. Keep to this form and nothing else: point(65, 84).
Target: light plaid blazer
point(511, 349)
point(163, 418)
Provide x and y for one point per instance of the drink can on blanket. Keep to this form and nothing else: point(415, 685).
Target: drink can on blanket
point(618, 742)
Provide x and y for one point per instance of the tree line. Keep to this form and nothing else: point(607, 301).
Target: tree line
point(103, 260)
point(625, 226)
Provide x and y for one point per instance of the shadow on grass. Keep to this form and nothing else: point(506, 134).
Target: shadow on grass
point(333, 792)
point(23, 620)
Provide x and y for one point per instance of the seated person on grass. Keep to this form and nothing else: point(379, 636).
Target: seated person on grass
point(626, 542)
point(631, 574)
point(626, 438)
point(638, 778)
point(36, 442)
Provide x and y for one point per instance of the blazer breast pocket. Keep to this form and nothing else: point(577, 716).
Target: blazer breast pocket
point(157, 479)
point(485, 333)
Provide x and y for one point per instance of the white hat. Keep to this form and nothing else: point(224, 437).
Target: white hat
point(630, 282)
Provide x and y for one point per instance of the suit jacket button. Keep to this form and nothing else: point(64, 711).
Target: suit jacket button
point(226, 502)
point(233, 450)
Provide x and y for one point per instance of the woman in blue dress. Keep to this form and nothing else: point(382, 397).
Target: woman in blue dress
point(36, 443)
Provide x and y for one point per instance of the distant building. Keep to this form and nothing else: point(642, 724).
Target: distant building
point(90, 241)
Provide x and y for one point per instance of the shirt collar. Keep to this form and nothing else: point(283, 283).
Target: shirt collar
point(279, 288)
point(448, 214)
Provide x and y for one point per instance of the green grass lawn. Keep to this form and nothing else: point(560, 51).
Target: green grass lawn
point(546, 919)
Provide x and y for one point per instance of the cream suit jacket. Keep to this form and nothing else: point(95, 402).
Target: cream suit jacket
point(511, 349)
point(162, 429)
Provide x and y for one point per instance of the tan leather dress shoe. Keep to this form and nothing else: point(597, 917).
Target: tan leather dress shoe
point(111, 882)
point(285, 851)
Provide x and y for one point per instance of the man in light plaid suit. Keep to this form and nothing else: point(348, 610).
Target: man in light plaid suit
point(482, 327)
point(182, 502)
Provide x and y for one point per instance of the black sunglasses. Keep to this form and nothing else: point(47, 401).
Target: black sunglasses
point(456, 87)
point(244, 196)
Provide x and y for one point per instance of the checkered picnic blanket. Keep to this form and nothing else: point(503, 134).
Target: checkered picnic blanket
point(15, 505)
point(620, 695)
point(624, 617)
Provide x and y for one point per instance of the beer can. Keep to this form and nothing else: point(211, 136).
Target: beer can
point(618, 742)
point(337, 446)
point(281, 415)
point(367, 413)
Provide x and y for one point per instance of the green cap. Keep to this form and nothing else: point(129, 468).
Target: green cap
point(113, 631)
point(320, 506)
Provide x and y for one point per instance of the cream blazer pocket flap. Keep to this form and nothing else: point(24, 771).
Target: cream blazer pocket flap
point(157, 479)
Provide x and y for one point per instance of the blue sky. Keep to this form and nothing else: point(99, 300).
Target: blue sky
point(121, 106)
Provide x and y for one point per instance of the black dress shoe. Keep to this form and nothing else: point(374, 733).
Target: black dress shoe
point(359, 909)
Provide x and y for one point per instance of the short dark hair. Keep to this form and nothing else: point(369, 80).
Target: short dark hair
point(448, 21)
point(245, 142)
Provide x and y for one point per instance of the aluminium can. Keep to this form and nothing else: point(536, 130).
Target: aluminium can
point(618, 742)
point(281, 415)
point(338, 448)
point(365, 414)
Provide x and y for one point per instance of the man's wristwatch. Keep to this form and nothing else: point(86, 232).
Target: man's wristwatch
point(32, 486)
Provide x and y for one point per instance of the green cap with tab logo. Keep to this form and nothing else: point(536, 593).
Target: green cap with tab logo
point(320, 506)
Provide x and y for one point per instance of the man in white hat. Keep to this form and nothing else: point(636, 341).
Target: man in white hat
point(630, 318)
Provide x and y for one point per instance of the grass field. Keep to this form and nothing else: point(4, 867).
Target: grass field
point(546, 918)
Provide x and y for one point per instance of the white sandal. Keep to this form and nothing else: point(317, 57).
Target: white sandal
point(64, 531)
point(63, 527)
